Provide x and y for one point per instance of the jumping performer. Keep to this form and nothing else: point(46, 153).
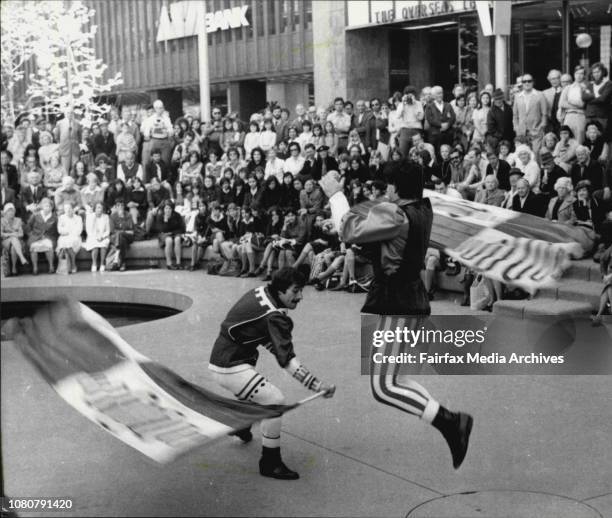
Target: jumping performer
point(260, 318)
point(396, 231)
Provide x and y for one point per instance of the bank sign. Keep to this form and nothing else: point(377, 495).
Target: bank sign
point(372, 12)
point(183, 17)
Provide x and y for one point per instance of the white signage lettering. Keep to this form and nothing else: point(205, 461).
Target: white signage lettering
point(182, 20)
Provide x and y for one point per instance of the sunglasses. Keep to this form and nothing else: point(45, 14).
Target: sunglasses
point(527, 80)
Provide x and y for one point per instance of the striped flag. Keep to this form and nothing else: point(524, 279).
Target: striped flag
point(511, 247)
point(140, 402)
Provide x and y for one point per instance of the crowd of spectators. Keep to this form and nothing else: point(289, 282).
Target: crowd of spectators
point(245, 194)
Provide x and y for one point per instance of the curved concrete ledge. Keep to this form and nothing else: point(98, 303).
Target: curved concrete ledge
point(97, 293)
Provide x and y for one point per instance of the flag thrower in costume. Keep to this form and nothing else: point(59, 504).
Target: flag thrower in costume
point(140, 402)
point(519, 249)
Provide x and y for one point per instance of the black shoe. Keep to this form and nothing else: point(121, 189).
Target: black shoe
point(244, 435)
point(319, 286)
point(267, 277)
point(465, 302)
point(456, 429)
point(276, 469)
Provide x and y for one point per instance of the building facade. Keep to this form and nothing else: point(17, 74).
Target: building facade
point(300, 51)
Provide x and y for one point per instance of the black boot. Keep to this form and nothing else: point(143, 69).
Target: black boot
point(456, 428)
point(244, 435)
point(271, 465)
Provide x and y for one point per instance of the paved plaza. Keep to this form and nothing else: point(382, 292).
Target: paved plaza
point(540, 445)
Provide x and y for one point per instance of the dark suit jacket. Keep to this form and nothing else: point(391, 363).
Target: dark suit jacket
point(28, 197)
point(330, 165)
point(166, 173)
point(435, 118)
point(362, 128)
point(373, 124)
point(106, 145)
point(555, 173)
point(12, 177)
point(531, 206)
point(8, 196)
point(592, 172)
point(503, 174)
point(599, 107)
point(499, 123)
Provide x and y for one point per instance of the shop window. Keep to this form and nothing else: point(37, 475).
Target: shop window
point(468, 52)
point(259, 18)
point(285, 15)
point(297, 7)
point(270, 14)
point(308, 14)
point(228, 33)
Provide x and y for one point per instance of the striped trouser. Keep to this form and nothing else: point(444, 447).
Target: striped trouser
point(249, 385)
point(396, 390)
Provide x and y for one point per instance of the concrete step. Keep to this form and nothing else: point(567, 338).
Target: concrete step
point(573, 290)
point(583, 270)
point(540, 307)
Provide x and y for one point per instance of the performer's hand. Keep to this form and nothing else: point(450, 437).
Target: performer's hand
point(329, 390)
point(330, 183)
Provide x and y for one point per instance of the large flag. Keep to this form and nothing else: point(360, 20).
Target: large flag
point(140, 402)
point(511, 247)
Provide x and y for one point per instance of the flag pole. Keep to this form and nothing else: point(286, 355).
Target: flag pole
point(310, 398)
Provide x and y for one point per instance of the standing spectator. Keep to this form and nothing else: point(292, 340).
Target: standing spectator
point(68, 137)
point(12, 236)
point(440, 118)
point(479, 117)
point(46, 150)
point(360, 121)
point(593, 139)
point(122, 234)
point(42, 235)
point(131, 118)
point(529, 114)
point(157, 132)
point(86, 149)
point(125, 141)
point(330, 137)
point(295, 163)
point(409, 119)
point(587, 169)
point(252, 138)
point(302, 116)
point(97, 227)
point(342, 123)
point(573, 105)
point(598, 98)
point(104, 143)
point(553, 96)
point(8, 169)
point(69, 228)
point(499, 120)
point(267, 138)
point(282, 126)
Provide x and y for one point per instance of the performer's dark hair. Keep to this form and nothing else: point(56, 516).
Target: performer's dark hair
point(407, 177)
point(284, 278)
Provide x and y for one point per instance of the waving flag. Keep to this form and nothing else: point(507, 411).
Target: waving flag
point(140, 402)
point(511, 247)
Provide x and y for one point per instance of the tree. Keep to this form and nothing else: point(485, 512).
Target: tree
point(67, 72)
point(17, 47)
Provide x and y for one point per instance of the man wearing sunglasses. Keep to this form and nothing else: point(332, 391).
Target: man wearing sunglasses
point(529, 113)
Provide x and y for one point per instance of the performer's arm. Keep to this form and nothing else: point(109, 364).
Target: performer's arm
point(303, 375)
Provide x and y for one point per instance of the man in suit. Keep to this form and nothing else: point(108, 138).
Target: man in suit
point(586, 169)
point(308, 169)
point(360, 121)
point(68, 135)
point(525, 200)
point(32, 193)
point(598, 98)
point(529, 114)
point(550, 173)
point(282, 126)
point(500, 169)
point(499, 121)
point(10, 170)
point(376, 130)
point(440, 117)
point(552, 96)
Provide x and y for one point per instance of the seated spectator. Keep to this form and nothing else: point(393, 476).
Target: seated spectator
point(598, 148)
point(309, 162)
point(129, 169)
point(191, 170)
point(240, 189)
point(271, 233)
point(122, 234)
point(31, 194)
point(42, 234)
point(550, 173)
point(126, 143)
point(12, 237)
point(92, 193)
point(69, 228)
point(97, 227)
point(267, 137)
point(312, 200)
point(441, 187)
point(322, 236)
point(140, 231)
point(233, 161)
point(252, 198)
point(200, 236)
point(213, 167)
point(473, 180)
point(157, 168)
point(251, 240)
point(504, 153)
point(252, 138)
point(8, 169)
point(138, 197)
point(561, 207)
point(295, 163)
point(226, 194)
point(514, 176)
point(491, 194)
point(525, 200)
point(46, 150)
point(79, 173)
point(292, 238)
point(587, 169)
point(565, 150)
point(549, 143)
point(209, 190)
point(290, 198)
point(271, 196)
point(115, 192)
point(376, 166)
point(226, 241)
point(104, 142)
point(274, 166)
point(589, 211)
point(68, 194)
point(104, 170)
point(53, 175)
point(500, 169)
point(527, 164)
point(332, 262)
point(171, 228)
point(257, 161)
point(356, 194)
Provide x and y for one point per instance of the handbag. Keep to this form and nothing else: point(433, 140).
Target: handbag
point(480, 295)
point(63, 267)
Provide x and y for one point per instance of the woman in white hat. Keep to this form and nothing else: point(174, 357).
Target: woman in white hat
point(11, 228)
